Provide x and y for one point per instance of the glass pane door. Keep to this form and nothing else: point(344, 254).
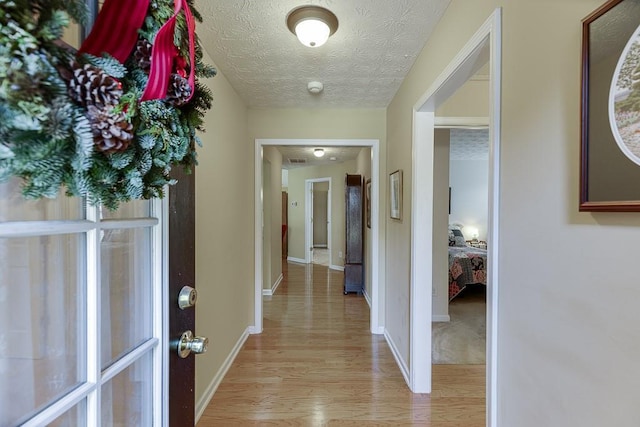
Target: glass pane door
point(81, 328)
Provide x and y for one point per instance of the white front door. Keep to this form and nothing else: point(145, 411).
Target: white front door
point(81, 323)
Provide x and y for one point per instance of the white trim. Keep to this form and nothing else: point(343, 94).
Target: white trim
point(336, 267)
point(272, 291)
point(93, 299)
point(495, 114)
point(296, 260)
point(128, 359)
point(377, 285)
point(462, 122)
point(441, 318)
point(162, 207)
point(396, 355)
point(366, 296)
point(258, 242)
point(252, 330)
point(485, 43)
point(206, 397)
point(44, 228)
point(121, 224)
point(65, 403)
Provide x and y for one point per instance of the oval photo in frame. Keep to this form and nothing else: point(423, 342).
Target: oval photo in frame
point(624, 100)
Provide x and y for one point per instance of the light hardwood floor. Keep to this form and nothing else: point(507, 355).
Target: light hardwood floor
point(317, 364)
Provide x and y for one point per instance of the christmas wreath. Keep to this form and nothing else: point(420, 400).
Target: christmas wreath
point(107, 122)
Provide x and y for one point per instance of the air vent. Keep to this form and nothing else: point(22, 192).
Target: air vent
point(297, 161)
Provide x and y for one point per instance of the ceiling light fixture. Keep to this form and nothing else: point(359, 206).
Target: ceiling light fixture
point(318, 152)
point(312, 24)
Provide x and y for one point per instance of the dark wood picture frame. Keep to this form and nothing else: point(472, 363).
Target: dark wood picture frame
point(609, 180)
point(367, 198)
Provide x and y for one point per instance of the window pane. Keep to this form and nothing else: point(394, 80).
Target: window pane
point(13, 207)
point(126, 291)
point(75, 417)
point(42, 322)
point(132, 209)
point(127, 399)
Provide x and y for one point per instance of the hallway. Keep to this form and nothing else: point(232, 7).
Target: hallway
point(317, 364)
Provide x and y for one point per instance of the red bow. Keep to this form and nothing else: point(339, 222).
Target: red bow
point(116, 32)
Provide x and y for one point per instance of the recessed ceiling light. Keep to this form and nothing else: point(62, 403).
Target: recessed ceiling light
point(318, 152)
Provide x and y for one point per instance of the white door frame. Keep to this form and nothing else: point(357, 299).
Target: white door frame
point(377, 286)
point(308, 214)
point(486, 42)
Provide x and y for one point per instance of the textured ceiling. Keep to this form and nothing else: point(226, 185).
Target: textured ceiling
point(469, 144)
point(361, 66)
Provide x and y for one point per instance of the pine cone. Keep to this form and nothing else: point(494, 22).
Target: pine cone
point(112, 132)
point(142, 54)
point(179, 90)
point(89, 85)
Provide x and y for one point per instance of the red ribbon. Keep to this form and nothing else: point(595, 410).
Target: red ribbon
point(116, 33)
point(116, 29)
point(164, 53)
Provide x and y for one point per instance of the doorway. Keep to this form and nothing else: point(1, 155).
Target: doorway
point(318, 221)
point(484, 46)
point(377, 288)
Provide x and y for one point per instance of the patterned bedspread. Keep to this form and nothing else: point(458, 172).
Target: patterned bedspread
point(467, 266)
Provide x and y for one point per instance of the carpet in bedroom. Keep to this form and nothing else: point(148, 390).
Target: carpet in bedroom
point(462, 340)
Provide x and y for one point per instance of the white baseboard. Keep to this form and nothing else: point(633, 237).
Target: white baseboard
point(298, 260)
point(253, 330)
point(396, 354)
point(441, 318)
point(202, 403)
point(336, 267)
point(273, 287)
point(366, 297)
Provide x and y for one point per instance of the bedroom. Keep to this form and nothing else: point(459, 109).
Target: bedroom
point(459, 333)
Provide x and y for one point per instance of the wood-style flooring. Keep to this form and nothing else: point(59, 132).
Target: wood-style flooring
point(317, 364)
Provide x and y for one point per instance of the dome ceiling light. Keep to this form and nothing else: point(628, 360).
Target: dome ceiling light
point(318, 152)
point(312, 24)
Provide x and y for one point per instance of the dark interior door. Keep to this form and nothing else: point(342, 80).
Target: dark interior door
point(181, 273)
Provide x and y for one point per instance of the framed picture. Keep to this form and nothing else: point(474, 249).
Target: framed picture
point(610, 113)
point(395, 184)
point(367, 196)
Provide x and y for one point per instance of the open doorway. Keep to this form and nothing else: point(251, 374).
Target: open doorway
point(483, 47)
point(318, 221)
point(375, 290)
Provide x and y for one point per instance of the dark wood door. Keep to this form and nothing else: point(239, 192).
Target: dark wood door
point(181, 273)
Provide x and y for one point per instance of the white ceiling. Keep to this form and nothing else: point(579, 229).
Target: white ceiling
point(361, 66)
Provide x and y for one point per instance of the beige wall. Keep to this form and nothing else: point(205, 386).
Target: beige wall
point(441, 219)
point(224, 231)
point(568, 334)
point(471, 100)
point(273, 238)
point(297, 179)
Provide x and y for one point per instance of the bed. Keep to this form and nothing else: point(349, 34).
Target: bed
point(467, 265)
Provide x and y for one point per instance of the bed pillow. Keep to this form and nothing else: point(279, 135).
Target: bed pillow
point(456, 238)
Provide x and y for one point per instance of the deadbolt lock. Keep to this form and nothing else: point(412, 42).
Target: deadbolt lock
point(189, 344)
point(187, 297)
